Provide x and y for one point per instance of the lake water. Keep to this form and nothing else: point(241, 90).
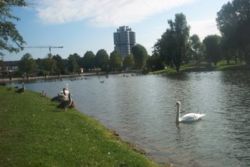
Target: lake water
point(142, 110)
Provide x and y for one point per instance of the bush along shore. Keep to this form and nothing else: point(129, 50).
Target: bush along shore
point(34, 132)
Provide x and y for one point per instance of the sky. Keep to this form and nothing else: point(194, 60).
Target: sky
point(88, 25)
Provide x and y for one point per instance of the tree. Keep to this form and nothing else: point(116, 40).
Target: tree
point(74, 63)
point(165, 47)
point(10, 39)
point(102, 60)
point(88, 60)
point(128, 62)
point(228, 50)
point(212, 48)
point(49, 66)
point(196, 48)
point(27, 64)
point(60, 64)
point(155, 62)
point(140, 56)
point(172, 47)
point(1, 65)
point(181, 34)
point(233, 21)
point(115, 61)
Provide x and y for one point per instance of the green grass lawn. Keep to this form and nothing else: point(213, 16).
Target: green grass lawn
point(221, 66)
point(34, 132)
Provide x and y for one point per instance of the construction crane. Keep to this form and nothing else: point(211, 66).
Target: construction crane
point(45, 47)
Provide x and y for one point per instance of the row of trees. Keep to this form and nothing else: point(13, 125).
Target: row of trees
point(234, 24)
point(12, 41)
point(176, 46)
point(55, 64)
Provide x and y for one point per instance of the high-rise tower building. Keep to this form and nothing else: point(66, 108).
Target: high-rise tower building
point(124, 40)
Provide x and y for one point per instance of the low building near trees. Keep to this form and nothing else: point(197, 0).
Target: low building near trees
point(8, 67)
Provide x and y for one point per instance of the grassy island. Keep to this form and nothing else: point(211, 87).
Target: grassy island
point(34, 132)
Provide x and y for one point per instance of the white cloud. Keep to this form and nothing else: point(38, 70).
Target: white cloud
point(103, 12)
point(204, 28)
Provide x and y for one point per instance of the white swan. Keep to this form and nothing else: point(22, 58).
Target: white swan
point(187, 118)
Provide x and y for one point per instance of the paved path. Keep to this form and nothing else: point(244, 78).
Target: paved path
point(20, 79)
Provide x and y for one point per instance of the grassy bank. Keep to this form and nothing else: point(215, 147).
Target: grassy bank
point(33, 132)
point(221, 66)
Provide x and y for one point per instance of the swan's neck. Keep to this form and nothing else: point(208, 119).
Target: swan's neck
point(178, 114)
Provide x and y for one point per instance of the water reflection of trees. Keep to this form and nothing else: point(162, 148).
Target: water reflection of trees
point(237, 112)
point(178, 76)
point(236, 77)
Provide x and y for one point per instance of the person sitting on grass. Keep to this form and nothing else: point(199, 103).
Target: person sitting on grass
point(67, 103)
point(62, 96)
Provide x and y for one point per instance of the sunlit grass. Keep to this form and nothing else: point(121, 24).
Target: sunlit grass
point(34, 132)
point(220, 66)
point(223, 65)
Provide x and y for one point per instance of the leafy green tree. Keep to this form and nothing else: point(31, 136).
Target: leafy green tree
point(233, 21)
point(172, 46)
point(10, 39)
point(212, 45)
point(40, 66)
point(155, 62)
point(1, 65)
point(196, 48)
point(27, 64)
point(165, 47)
point(181, 31)
point(49, 66)
point(115, 61)
point(227, 50)
point(102, 60)
point(88, 60)
point(60, 64)
point(74, 63)
point(140, 56)
point(128, 62)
